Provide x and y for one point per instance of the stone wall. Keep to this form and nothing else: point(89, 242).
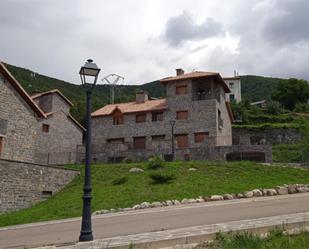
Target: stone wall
point(267, 136)
point(19, 125)
point(24, 184)
point(58, 145)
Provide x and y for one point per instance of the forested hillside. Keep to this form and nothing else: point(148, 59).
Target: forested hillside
point(253, 88)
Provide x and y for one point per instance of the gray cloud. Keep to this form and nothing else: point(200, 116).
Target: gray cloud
point(182, 28)
point(286, 22)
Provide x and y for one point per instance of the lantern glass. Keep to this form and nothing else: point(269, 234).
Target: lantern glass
point(89, 73)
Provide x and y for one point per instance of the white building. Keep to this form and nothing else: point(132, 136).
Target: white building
point(234, 83)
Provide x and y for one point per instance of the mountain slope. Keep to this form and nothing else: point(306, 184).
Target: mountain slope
point(253, 88)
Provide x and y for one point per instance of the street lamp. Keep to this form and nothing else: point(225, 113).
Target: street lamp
point(89, 74)
point(172, 123)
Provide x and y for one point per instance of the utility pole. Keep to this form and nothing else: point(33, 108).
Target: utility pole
point(112, 80)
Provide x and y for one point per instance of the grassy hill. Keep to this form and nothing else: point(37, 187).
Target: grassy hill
point(114, 187)
point(253, 88)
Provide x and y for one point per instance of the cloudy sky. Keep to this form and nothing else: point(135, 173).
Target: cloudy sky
point(145, 40)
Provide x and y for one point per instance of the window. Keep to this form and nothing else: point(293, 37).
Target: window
point(139, 143)
point(140, 118)
point(181, 90)
point(231, 84)
point(200, 137)
point(117, 118)
point(182, 140)
point(157, 137)
point(157, 116)
point(182, 115)
point(115, 140)
point(232, 97)
point(45, 128)
point(1, 145)
point(220, 120)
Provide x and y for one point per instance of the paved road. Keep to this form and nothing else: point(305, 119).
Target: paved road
point(156, 219)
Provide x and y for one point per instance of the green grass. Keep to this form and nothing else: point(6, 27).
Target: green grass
point(245, 240)
point(210, 178)
point(289, 153)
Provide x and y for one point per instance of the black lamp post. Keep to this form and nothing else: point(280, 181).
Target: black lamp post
point(172, 123)
point(89, 74)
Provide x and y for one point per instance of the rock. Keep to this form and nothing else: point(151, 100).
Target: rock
point(96, 213)
point(127, 209)
point(119, 210)
point(184, 201)
point(292, 189)
point(199, 200)
point(176, 202)
point(191, 201)
point(228, 197)
point(136, 207)
point(248, 194)
point(257, 192)
point(207, 198)
point(136, 170)
point(192, 169)
point(302, 189)
point(104, 211)
point(169, 203)
point(112, 210)
point(145, 205)
point(240, 195)
point(271, 192)
point(282, 190)
point(156, 204)
point(216, 198)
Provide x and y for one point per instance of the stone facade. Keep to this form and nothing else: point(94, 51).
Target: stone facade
point(18, 124)
point(58, 141)
point(205, 115)
point(266, 137)
point(36, 129)
point(24, 184)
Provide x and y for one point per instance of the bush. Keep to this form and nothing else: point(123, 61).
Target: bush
point(273, 108)
point(161, 179)
point(120, 181)
point(128, 159)
point(155, 162)
point(301, 107)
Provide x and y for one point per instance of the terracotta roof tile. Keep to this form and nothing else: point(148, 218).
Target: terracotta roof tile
point(132, 107)
point(195, 75)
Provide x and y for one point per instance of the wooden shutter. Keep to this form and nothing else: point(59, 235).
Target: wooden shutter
point(157, 116)
point(180, 90)
point(140, 118)
point(200, 137)
point(182, 141)
point(182, 115)
point(139, 143)
point(1, 145)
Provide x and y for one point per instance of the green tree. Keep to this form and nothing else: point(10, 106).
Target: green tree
point(291, 92)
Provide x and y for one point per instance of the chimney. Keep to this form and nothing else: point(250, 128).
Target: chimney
point(141, 96)
point(179, 71)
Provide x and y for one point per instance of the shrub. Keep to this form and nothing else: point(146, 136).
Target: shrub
point(161, 179)
point(273, 108)
point(301, 107)
point(120, 181)
point(128, 159)
point(155, 162)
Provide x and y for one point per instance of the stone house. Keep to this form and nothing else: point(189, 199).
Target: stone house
point(59, 133)
point(37, 129)
point(195, 101)
point(19, 116)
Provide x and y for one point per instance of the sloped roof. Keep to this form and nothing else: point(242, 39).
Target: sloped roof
point(11, 79)
point(196, 75)
point(132, 107)
point(50, 92)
